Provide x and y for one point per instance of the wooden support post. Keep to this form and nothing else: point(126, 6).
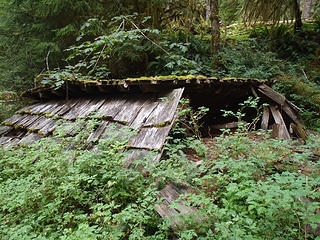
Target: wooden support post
point(265, 118)
point(280, 129)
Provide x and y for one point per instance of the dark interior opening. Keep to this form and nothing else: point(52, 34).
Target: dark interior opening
point(222, 98)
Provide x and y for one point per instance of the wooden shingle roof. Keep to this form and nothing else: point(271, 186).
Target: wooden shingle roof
point(150, 115)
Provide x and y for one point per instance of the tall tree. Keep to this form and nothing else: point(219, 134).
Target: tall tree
point(274, 10)
point(307, 6)
point(215, 25)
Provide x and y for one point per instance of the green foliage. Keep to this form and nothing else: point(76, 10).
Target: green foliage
point(247, 186)
point(55, 190)
point(247, 59)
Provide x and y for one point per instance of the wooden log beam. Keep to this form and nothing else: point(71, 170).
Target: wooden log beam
point(280, 128)
point(265, 118)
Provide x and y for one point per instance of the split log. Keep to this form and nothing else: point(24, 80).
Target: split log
point(265, 118)
point(287, 107)
point(280, 130)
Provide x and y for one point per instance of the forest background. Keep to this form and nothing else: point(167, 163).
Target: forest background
point(248, 186)
point(119, 39)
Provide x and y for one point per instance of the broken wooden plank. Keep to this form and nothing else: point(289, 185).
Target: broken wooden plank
point(150, 138)
point(269, 92)
point(281, 130)
point(169, 195)
point(265, 118)
point(289, 108)
point(94, 136)
point(165, 110)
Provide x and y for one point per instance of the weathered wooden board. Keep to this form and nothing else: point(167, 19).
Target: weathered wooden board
point(150, 138)
point(40, 123)
point(27, 108)
point(165, 111)
point(169, 195)
point(29, 139)
point(282, 129)
point(144, 113)
point(269, 92)
point(77, 109)
point(111, 107)
point(265, 118)
point(94, 136)
point(28, 120)
point(15, 118)
point(93, 106)
point(50, 106)
point(66, 106)
point(5, 129)
point(4, 140)
point(48, 127)
point(131, 108)
point(143, 155)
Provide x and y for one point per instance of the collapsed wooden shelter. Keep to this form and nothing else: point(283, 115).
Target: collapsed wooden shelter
point(148, 105)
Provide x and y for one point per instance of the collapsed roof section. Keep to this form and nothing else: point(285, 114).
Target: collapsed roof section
point(150, 115)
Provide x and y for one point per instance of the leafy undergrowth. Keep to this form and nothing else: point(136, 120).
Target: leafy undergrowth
point(246, 186)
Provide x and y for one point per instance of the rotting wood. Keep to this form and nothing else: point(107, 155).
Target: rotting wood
point(170, 194)
point(94, 136)
point(165, 111)
point(281, 130)
point(131, 108)
point(287, 107)
point(13, 119)
point(5, 129)
point(265, 118)
point(29, 139)
point(147, 108)
point(77, 109)
point(150, 138)
point(269, 92)
point(49, 127)
point(111, 108)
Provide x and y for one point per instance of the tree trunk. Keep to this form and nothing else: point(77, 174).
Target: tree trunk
point(297, 12)
point(208, 10)
point(214, 6)
point(307, 9)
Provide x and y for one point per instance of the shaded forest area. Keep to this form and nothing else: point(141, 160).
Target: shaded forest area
point(243, 184)
point(119, 39)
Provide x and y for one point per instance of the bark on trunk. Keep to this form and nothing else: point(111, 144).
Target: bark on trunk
point(307, 9)
point(214, 6)
point(297, 11)
point(208, 10)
